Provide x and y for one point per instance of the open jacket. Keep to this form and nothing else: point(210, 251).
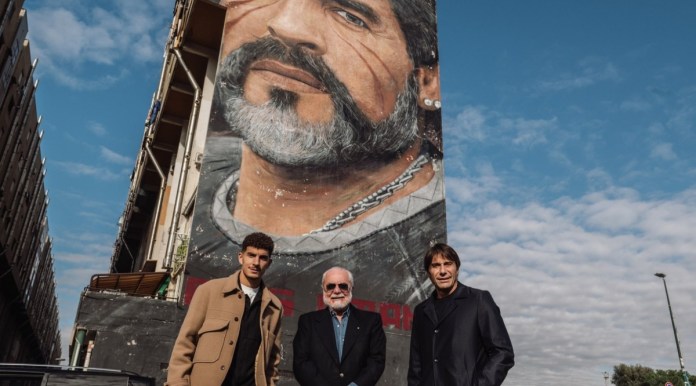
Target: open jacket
point(469, 346)
point(204, 348)
point(315, 355)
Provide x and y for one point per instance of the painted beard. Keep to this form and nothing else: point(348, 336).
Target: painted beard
point(337, 303)
point(276, 133)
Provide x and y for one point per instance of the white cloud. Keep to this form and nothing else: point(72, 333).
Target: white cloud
point(656, 128)
point(97, 128)
point(469, 124)
point(77, 82)
point(574, 278)
point(79, 258)
point(590, 71)
point(663, 151)
point(477, 123)
point(635, 104)
point(71, 35)
point(529, 131)
point(81, 169)
point(113, 157)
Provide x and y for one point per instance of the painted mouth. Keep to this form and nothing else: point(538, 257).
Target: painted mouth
point(287, 77)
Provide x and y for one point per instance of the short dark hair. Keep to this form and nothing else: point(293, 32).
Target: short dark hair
point(443, 250)
point(258, 240)
point(419, 25)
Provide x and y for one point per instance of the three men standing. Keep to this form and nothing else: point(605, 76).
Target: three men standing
point(458, 336)
point(339, 345)
point(231, 333)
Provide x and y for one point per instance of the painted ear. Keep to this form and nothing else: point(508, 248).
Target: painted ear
point(429, 87)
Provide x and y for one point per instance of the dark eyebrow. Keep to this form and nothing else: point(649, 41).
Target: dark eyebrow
point(364, 9)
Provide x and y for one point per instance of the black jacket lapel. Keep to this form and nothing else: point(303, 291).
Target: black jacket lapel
point(326, 333)
point(352, 331)
point(429, 310)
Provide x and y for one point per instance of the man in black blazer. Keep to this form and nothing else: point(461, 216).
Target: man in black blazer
point(458, 337)
point(339, 345)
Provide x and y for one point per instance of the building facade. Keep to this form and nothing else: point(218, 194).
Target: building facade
point(180, 226)
point(28, 305)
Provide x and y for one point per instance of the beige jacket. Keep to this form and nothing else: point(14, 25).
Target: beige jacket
point(205, 345)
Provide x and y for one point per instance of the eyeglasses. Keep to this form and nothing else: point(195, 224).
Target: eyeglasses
point(342, 286)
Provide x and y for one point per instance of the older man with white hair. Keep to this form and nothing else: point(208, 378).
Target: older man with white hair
point(340, 344)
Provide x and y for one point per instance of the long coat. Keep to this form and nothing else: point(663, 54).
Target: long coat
point(469, 346)
point(315, 355)
point(203, 350)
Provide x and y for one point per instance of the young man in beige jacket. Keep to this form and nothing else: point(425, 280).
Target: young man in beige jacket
point(231, 333)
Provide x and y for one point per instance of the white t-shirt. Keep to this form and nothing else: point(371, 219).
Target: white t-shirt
point(250, 292)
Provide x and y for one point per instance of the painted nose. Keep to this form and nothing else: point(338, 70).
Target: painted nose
point(299, 23)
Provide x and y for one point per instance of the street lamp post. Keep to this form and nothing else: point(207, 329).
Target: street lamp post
point(606, 379)
point(674, 327)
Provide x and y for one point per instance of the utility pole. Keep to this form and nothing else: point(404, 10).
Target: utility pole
point(674, 327)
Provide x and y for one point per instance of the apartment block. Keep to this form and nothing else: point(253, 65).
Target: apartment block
point(28, 305)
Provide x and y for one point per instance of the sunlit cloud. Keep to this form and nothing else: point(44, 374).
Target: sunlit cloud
point(663, 151)
point(589, 72)
point(574, 278)
point(113, 157)
point(80, 169)
point(97, 128)
point(94, 35)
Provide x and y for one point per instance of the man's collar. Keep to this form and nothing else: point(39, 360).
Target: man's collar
point(460, 292)
point(232, 284)
point(345, 314)
point(239, 282)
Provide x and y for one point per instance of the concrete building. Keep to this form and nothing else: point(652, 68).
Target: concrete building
point(128, 318)
point(28, 306)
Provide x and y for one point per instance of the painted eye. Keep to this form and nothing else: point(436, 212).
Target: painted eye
point(352, 19)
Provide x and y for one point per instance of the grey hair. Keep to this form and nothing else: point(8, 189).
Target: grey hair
point(350, 275)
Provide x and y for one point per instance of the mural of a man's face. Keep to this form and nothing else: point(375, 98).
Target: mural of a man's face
point(318, 83)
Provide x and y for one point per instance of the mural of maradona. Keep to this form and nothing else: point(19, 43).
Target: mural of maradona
point(325, 134)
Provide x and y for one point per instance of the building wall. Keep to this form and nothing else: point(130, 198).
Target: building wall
point(137, 336)
point(28, 305)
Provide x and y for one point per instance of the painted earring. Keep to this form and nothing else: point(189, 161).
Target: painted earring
point(428, 102)
point(437, 104)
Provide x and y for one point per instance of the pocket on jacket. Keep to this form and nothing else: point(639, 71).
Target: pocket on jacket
point(211, 338)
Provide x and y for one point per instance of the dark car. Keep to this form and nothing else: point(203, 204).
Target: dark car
point(13, 374)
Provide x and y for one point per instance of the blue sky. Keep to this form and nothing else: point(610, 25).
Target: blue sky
point(569, 130)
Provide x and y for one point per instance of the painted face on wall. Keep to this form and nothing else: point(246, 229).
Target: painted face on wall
point(360, 41)
point(317, 82)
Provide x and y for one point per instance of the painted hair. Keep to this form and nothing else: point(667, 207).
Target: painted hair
point(419, 25)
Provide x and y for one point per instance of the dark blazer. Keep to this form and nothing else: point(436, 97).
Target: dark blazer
point(315, 355)
point(470, 346)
